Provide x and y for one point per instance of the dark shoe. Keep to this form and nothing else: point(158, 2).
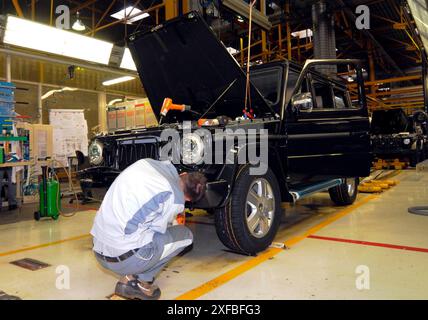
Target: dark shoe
point(186, 250)
point(13, 207)
point(139, 290)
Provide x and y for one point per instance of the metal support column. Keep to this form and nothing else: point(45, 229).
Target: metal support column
point(324, 35)
point(372, 72)
point(33, 10)
point(264, 35)
point(102, 112)
point(425, 78)
point(170, 9)
point(39, 103)
point(289, 49)
point(8, 68)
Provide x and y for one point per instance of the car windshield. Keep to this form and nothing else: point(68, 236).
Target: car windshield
point(268, 82)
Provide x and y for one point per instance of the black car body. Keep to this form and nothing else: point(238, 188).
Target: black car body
point(317, 138)
point(396, 135)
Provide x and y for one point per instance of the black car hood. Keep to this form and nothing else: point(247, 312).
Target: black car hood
point(182, 59)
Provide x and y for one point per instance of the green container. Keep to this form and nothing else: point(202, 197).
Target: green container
point(53, 206)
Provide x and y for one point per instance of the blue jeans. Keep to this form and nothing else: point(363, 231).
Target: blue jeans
point(150, 259)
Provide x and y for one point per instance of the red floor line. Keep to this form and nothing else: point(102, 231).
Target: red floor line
point(373, 244)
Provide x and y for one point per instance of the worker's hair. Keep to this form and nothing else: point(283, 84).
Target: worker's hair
point(195, 185)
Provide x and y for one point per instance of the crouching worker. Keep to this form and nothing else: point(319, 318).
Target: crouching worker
point(133, 232)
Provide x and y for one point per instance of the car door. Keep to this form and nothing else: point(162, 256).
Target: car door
point(330, 141)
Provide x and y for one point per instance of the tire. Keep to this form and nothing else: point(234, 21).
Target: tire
point(346, 193)
point(37, 215)
point(243, 209)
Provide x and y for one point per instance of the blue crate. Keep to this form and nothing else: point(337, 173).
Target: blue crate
point(7, 85)
point(7, 91)
point(7, 109)
point(6, 95)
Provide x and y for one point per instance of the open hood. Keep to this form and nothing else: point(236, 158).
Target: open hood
point(183, 60)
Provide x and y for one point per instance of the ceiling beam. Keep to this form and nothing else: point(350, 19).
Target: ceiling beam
point(108, 25)
point(104, 14)
point(83, 5)
point(86, 8)
point(18, 8)
point(369, 35)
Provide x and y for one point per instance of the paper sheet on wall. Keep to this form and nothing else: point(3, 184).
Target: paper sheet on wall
point(70, 133)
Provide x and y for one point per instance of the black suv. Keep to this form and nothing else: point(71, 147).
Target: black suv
point(397, 135)
point(318, 138)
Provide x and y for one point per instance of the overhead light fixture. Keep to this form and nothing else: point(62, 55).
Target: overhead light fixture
point(78, 25)
point(114, 101)
point(350, 79)
point(36, 36)
point(303, 34)
point(117, 80)
point(49, 93)
point(240, 19)
point(130, 11)
point(127, 61)
point(243, 9)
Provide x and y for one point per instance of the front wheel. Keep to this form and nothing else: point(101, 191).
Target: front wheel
point(345, 193)
point(251, 218)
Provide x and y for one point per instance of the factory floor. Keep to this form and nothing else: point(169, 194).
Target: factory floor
point(373, 249)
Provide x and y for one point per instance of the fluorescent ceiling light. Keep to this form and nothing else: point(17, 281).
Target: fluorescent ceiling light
point(302, 34)
point(36, 36)
point(117, 80)
point(127, 61)
point(130, 11)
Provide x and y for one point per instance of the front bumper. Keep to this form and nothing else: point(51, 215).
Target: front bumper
point(96, 181)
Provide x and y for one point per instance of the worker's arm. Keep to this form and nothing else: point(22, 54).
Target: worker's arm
point(167, 214)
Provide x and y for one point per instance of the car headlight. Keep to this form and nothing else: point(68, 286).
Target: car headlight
point(192, 149)
point(95, 153)
point(406, 141)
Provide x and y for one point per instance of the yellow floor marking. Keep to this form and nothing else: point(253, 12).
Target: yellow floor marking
point(271, 252)
point(8, 253)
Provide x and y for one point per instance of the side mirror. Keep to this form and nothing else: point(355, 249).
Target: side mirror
point(302, 102)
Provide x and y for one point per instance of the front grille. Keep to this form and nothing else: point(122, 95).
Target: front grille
point(125, 152)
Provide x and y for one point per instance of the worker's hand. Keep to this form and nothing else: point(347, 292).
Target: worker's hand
point(181, 218)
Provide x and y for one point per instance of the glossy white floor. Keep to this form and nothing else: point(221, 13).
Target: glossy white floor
point(323, 266)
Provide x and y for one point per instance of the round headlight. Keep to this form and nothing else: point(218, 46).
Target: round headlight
point(95, 153)
point(192, 149)
point(407, 141)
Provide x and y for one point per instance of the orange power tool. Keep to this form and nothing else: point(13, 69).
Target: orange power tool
point(169, 105)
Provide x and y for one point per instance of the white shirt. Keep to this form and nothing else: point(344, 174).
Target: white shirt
point(143, 199)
